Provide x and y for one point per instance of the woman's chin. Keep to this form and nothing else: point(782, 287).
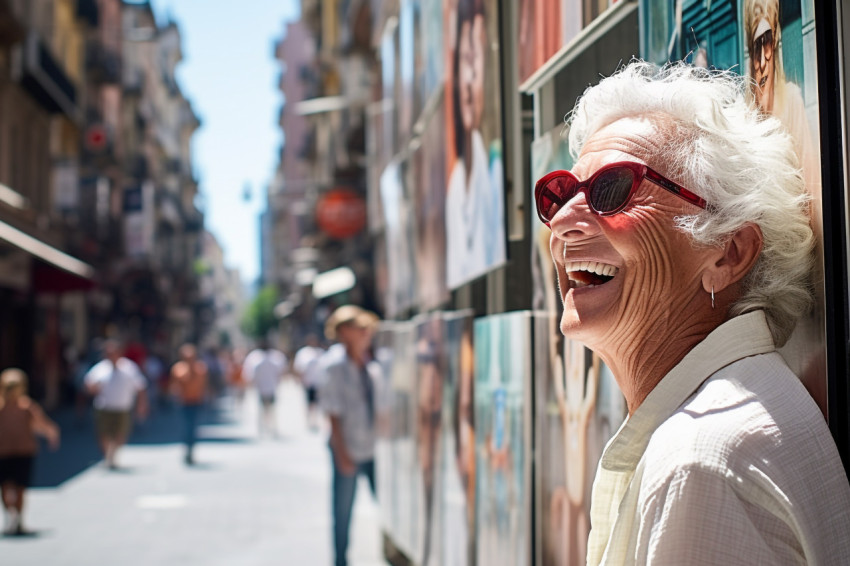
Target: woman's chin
point(588, 308)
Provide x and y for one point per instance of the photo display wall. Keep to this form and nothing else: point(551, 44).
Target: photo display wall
point(772, 42)
point(436, 140)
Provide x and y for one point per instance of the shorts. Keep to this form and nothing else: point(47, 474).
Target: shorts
point(312, 395)
point(113, 424)
point(16, 469)
point(267, 400)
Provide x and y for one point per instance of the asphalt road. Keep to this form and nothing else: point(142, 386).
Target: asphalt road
point(249, 500)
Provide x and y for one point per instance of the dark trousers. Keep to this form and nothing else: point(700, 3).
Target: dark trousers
point(344, 487)
point(190, 425)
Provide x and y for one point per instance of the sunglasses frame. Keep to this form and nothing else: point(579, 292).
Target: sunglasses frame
point(761, 44)
point(639, 173)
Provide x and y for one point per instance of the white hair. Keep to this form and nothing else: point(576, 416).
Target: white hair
point(739, 160)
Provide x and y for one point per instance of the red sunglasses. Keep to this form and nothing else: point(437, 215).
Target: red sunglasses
point(607, 191)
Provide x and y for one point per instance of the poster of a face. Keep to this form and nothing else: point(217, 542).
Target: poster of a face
point(458, 444)
point(579, 406)
point(545, 26)
point(773, 43)
point(399, 225)
point(430, 375)
point(502, 366)
point(430, 205)
point(475, 219)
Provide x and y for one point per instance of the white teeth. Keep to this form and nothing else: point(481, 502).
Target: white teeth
point(592, 266)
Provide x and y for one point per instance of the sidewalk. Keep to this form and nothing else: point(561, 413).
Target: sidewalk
point(249, 501)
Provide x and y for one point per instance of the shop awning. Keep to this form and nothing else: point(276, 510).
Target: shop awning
point(332, 282)
point(59, 272)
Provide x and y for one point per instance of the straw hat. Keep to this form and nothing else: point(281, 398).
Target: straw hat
point(349, 314)
point(12, 378)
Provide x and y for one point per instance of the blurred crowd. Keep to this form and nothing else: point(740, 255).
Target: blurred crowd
point(123, 383)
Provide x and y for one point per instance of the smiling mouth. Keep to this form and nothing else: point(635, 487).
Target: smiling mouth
point(589, 273)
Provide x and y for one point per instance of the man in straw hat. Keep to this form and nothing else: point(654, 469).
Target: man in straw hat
point(348, 397)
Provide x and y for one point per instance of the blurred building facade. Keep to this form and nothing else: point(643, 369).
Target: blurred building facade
point(316, 209)
point(99, 231)
point(221, 299)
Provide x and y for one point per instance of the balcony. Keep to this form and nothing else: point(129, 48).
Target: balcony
point(43, 77)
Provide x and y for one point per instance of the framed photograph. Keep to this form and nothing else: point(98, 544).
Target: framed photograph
point(475, 218)
point(429, 193)
point(502, 370)
point(546, 26)
point(399, 225)
point(458, 443)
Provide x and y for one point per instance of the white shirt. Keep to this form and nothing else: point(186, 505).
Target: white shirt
point(727, 461)
point(264, 368)
point(117, 384)
point(342, 395)
point(475, 217)
point(306, 363)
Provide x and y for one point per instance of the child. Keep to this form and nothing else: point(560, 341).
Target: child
point(21, 419)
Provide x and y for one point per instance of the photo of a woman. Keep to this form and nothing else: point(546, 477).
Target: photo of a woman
point(475, 231)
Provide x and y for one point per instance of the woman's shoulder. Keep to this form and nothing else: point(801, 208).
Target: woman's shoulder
point(753, 410)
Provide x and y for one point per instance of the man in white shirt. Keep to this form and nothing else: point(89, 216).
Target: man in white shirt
point(347, 395)
point(306, 367)
point(264, 367)
point(117, 384)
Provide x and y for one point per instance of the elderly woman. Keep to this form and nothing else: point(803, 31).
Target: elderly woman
point(682, 246)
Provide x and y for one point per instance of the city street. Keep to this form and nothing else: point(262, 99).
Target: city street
point(248, 501)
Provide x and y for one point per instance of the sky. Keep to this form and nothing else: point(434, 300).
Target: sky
point(230, 75)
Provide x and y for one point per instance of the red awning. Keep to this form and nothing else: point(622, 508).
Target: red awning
point(55, 271)
point(49, 279)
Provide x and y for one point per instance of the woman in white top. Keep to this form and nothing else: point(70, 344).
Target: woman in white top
point(475, 237)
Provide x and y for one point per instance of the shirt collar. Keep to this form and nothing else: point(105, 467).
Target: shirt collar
point(743, 336)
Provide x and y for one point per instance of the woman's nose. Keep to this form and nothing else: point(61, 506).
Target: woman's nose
point(574, 220)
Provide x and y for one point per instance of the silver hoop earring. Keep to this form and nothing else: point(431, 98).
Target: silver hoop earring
point(712, 296)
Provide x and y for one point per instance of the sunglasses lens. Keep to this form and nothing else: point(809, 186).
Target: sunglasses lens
point(611, 189)
point(553, 195)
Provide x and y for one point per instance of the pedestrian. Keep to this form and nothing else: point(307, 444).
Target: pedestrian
point(117, 385)
point(264, 368)
point(305, 365)
point(347, 395)
point(235, 378)
point(21, 419)
point(189, 379)
point(684, 252)
point(215, 372)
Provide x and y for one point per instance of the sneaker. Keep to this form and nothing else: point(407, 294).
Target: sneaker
point(13, 523)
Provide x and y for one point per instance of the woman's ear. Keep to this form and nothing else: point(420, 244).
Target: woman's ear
point(737, 257)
